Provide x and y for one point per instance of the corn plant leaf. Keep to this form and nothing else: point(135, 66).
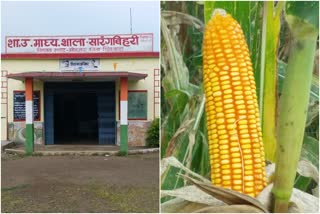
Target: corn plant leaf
point(200, 151)
point(178, 74)
point(302, 183)
point(306, 172)
point(313, 112)
point(182, 100)
point(310, 150)
point(268, 77)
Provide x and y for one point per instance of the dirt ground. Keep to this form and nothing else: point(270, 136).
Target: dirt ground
point(80, 183)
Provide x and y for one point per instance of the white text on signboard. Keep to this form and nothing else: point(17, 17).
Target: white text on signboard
point(80, 44)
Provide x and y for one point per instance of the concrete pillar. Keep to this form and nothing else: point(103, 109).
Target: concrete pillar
point(124, 115)
point(29, 116)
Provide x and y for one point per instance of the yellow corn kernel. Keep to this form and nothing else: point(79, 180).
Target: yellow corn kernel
point(226, 172)
point(225, 167)
point(237, 171)
point(237, 188)
point(237, 182)
point(237, 176)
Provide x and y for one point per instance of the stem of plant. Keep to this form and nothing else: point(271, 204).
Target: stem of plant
point(293, 112)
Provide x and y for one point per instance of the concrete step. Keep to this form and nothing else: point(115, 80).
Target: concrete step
point(6, 144)
point(86, 153)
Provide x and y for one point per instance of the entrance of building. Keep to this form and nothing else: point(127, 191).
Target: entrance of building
point(76, 118)
point(79, 113)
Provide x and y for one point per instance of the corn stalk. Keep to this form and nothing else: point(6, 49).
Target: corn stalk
point(303, 20)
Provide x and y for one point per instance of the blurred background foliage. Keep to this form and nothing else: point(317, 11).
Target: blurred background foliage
point(183, 125)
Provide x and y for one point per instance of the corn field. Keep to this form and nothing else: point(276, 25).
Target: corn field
point(283, 51)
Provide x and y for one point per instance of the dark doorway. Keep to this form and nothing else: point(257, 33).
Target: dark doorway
point(76, 118)
point(79, 113)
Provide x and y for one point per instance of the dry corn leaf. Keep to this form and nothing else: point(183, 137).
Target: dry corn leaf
point(226, 195)
point(179, 205)
point(270, 168)
point(230, 209)
point(186, 125)
point(189, 199)
point(305, 168)
point(192, 200)
point(315, 191)
point(172, 161)
point(178, 18)
point(193, 194)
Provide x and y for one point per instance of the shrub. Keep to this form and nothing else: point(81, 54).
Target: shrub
point(153, 134)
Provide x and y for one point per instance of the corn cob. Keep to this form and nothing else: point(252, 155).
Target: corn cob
point(234, 131)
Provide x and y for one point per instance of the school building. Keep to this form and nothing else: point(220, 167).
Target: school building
point(97, 89)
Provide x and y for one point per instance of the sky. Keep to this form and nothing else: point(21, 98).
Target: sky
point(49, 18)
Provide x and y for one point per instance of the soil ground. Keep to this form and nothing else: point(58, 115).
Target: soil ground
point(80, 183)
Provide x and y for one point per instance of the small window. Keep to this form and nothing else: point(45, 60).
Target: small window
point(137, 105)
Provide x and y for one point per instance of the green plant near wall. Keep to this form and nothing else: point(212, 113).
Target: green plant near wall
point(153, 134)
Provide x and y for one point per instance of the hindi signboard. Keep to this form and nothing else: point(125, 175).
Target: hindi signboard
point(80, 44)
point(79, 65)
